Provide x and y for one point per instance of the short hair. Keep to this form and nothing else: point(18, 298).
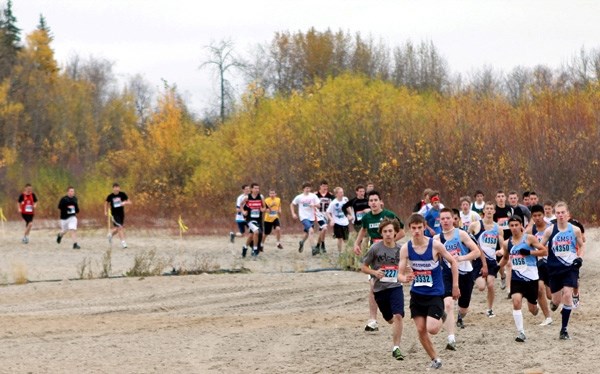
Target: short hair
point(416, 218)
point(492, 203)
point(271, 190)
point(446, 210)
point(323, 182)
point(479, 192)
point(335, 190)
point(27, 185)
point(116, 185)
point(526, 194)
point(513, 192)
point(359, 187)
point(561, 204)
point(532, 193)
point(389, 221)
point(306, 184)
point(253, 184)
point(70, 188)
point(537, 208)
point(244, 186)
point(455, 212)
point(499, 192)
point(465, 198)
point(373, 192)
point(549, 202)
point(434, 193)
point(515, 218)
point(427, 192)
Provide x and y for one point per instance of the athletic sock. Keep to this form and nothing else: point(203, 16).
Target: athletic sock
point(451, 338)
point(395, 347)
point(518, 316)
point(566, 314)
point(459, 316)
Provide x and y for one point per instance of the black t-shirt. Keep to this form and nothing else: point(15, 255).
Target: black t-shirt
point(358, 205)
point(325, 201)
point(253, 206)
point(68, 207)
point(116, 203)
point(501, 217)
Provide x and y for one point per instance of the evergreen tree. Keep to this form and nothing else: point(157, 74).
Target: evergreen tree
point(9, 40)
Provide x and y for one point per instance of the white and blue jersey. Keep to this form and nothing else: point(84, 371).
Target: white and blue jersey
point(562, 249)
point(539, 234)
point(455, 246)
point(427, 271)
point(488, 240)
point(524, 268)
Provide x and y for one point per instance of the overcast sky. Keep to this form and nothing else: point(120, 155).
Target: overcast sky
point(164, 39)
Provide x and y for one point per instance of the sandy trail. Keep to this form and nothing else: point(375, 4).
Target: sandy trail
point(275, 319)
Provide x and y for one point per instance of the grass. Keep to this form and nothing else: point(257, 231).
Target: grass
point(20, 273)
point(147, 263)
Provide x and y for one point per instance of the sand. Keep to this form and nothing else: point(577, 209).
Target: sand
point(282, 316)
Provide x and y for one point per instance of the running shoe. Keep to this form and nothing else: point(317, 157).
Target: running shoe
point(255, 252)
point(436, 363)
point(459, 323)
point(231, 236)
point(490, 313)
point(553, 306)
point(508, 295)
point(109, 238)
point(323, 248)
point(315, 250)
point(546, 322)
point(521, 337)
point(397, 354)
point(372, 326)
point(244, 251)
point(502, 283)
point(123, 244)
point(76, 246)
point(451, 346)
point(58, 238)
point(575, 301)
point(25, 240)
point(279, 246)
point(301, 247)
point(564, 335)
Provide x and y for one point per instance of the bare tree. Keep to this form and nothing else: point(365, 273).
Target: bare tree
point(222, 58)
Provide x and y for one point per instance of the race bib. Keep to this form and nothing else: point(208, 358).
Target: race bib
point(390, 273)
point(423, 279)
point(518, 263)
point(28, 208)
point(273, 213)
point(359, 216)
point(254, 213)
point(117, 203)
point(503, 222)
point(437, 223)
point(71, 209)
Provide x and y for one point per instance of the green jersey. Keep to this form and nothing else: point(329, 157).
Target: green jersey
point(370, 222)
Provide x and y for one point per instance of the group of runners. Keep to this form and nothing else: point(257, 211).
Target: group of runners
point(536, 249)
point(114, 207)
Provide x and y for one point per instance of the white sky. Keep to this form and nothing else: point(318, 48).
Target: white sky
point(164, 39)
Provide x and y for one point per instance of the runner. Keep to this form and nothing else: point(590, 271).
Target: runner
point(503, 213)
point(533, 198)
point(491, 241)
point(526, 201)
point(239, 217)
point(116, 201)
point(253, 207)
point(337, 219)
point(426, 193)
point(519, 209)
point(273, 205)
point(357, 207)
point(522, 250)
point(549, 216)
point(426, 295)
point(325, 198)
point(479, 203)
point(370, 227)
point(432, 216)
point(381, 263)
point(307, 203)
point(464, 250)
point(566, 250)
point(26, 204)
point(68, 216)
point(467, 216)
point(537, 229)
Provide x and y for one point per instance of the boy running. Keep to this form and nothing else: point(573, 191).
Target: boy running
point(116, 201)
point(337, 218)
point(26, 204)
point(273, 212)
point(68, 216)
point(307, 203)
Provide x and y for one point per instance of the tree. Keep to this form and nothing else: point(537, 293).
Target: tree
point(9, 40)
point(221, 56)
